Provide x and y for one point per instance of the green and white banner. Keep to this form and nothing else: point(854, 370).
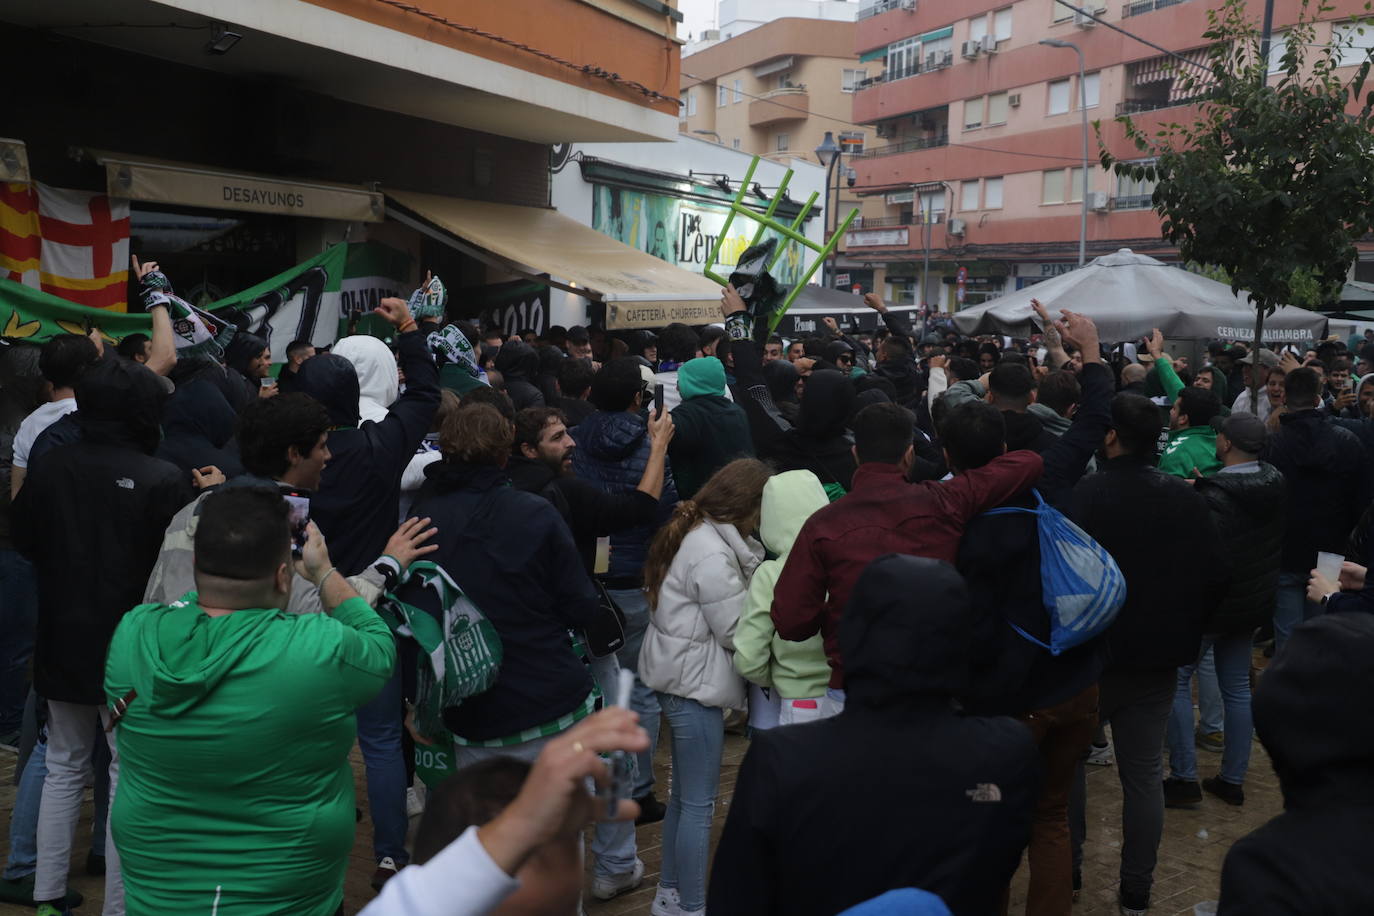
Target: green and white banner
point(319, 300)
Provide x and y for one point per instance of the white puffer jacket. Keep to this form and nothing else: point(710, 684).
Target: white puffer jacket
point(690, 642)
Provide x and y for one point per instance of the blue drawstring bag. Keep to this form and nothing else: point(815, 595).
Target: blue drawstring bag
point(1082, 586)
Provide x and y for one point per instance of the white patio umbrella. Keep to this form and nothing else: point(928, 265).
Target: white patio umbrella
point(1128, 294)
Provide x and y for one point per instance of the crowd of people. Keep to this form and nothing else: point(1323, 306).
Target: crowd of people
point(536, 557)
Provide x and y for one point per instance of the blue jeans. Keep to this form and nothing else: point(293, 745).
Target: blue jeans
point(635, 605)
point(18, 620)
point(1232, 654)
point(23, 860)
point(1210, 717)
point(698, 741)
point(613, 842)
point(1291, 606)
point(379, 738)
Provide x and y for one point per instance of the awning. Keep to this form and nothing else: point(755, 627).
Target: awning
point(777, 65)
point(639, 290)
point(875, 54)
point(138, 178)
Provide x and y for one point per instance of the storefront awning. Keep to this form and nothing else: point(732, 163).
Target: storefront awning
point(139, 178)
point(640, 290)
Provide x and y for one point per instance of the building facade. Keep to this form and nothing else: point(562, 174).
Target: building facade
point(284, 104)
point(976, 160)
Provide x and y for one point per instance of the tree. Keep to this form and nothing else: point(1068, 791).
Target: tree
point(1271, 183)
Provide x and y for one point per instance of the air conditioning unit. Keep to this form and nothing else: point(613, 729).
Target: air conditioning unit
point(909, 5)
point(970, 49)
point(1097, 200)
point(1087, 22)
point(989, 44)
point(955, 227)
point(1014, 99)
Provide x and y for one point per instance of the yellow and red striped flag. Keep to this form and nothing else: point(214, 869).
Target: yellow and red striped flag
point(71, 244)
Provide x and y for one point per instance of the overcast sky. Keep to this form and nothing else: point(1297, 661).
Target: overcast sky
point(697, 15)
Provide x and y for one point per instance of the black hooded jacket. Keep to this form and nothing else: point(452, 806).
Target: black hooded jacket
point(358, 503)
point(1312, 710)
point(242, 350)
point(899, 754)
point(1249, 511)
point(94, 515)
point(513, 557)
point(1328, 485)
point(198, 430)
point(518, 364)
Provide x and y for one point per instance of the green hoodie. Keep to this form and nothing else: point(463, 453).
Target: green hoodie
point(1193, 447)
point(235, 793)
point(798, 670)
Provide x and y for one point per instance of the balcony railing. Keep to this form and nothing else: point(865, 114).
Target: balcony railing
point(1137, 106)
point(880, 6)
point(1137, 7)
point(880, 222)
point(905, 146)
point(1134, 202)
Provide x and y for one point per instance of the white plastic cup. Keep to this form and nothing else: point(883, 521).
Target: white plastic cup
point(1329, 565)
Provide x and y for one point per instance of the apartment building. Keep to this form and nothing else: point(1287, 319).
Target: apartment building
point(976, 156)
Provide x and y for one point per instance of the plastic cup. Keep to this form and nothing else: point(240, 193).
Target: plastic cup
point(1329, 565)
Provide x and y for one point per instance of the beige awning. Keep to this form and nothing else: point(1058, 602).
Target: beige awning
point(640, 290)
point(139, 178)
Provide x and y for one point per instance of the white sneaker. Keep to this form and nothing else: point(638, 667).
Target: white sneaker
point(667, 902)
point(415, 801)
point(605, 887)
point(1101, 756)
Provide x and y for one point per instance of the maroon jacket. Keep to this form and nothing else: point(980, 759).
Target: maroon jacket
point(882, 514)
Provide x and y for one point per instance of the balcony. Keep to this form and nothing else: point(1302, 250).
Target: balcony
point(1134, 202)
point(880, 6)
point(904, 146)
point(790, 104)
point(1140, 106)
point(879, 222)
point(1139, 7)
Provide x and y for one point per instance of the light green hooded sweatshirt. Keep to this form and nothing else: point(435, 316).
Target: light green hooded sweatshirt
point(235, 794)
point(797, 670)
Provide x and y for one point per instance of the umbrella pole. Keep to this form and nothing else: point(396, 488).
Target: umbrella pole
point(1254, 361)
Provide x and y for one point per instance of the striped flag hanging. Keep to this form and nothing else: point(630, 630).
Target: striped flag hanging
point(71, 244)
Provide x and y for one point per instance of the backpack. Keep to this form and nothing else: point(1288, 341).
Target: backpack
point(1083, 588)
point(461, 646)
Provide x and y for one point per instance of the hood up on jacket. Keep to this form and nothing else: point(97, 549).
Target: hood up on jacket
point(907, 632)
point(781, 378)
point(242, 350)
point(1312, 693)
point(517, 359)
point(827, 401)
point(331, 380)
point(119, 402)
point(611, 436)
point(200, 411)
point(378, 383)
point(789, 499)
point(903, 376)
point(1219, 386)
point(701, 376)
point(188, 654)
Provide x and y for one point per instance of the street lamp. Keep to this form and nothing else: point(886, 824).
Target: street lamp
point(828, 154)
point(710, 133)
point(1083, 107)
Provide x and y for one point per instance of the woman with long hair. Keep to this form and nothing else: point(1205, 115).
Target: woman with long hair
point(697, 579)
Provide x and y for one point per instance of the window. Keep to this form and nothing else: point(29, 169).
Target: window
point(932, 204)
point(1092, 88)
point(781, 143)
point(1355, 41)
point(722, 95)
point(852, 141)
point(1059, 97)
point(973, 113)
point(1061, 12)
point(903, 58)
point(1075, 185)
point(691, 104)
point(968, 195)
point(1132, 194)
point(1278, 46)
point(997, 108)
point(977, 27)
point(739, 92)
point(850, 79)
point(735, 143)
point(992, 193)
point(1052, 191)
point(1001, 24)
